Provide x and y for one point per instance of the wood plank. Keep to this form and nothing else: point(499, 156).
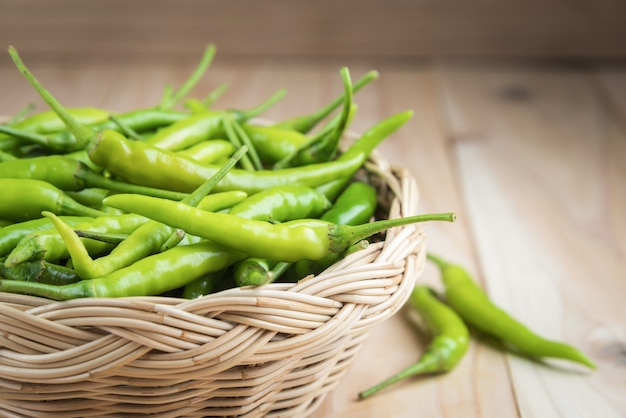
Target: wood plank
point(540, 164)
point(611, 84)
point(393, 29)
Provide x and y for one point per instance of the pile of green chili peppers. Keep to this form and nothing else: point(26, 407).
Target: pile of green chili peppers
point(182, 198)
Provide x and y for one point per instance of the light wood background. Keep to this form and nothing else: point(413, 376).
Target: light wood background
point(531, 155)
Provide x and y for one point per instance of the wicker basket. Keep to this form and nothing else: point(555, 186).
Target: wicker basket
point(275, 350)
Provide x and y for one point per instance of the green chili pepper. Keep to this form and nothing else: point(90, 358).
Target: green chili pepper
point(169, 101)
point(258, 271)
point(272, 143)
point(40, 272)
point(92, 197)
point(147, 239)
point(10, 235)
point(47, 122)
point(248, 162)
point(277, 204)
point(49, 245)
point(126, 130)
point(69, 174)
point(82, 133)
point(25, 199)
point(142, 120)
point(254, 271)
point(314, 146)
point(137, 121)
point(356, 205)
point(307, 122)
point(60, 142)
point(195, 105)
point(468, 299)
point(199, 127)
point(282, 203)
point(325, 146)
point(142, 164)
point(211, 151)
point(152, 275)
point(10, 144)
point(203, 285)
point(5, 156)
point(448, 346)
point(310, 239)
point(107, 237)
point(363, 147)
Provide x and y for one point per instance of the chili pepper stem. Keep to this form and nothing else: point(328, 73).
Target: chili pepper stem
point(82, 133)
point(125, 129)
point(30, 137)
point(342, 236)
point(255, 111)
point(92, 179)
point(324, 146)
point(440, 262)
point(171, 100)
point(432, 365)
point(305, 123)
point(79, 289)
point(330, 143)
point(101, 236)
point(212, 97)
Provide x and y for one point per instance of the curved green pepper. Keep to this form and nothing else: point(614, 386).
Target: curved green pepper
point(153, 275)
point(305, 123)
point(305, 239)
point(272, 143)
point(469, 300)
point(212, 151)
point(142, 164)
point(356, 205)
point(10, 235)
point(72, 175)
point(25, 199)
point(40, 272)
point(199, 127)
point(47, 122)
point(448, 346)
point(282, 203)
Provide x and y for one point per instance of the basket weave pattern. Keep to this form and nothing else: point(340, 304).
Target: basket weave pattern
point(275, 350)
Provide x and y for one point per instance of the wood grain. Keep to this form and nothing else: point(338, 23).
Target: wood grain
point(532, 159)
point(397, 29)
point(540, 171)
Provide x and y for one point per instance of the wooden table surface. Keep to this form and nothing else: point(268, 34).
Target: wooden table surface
point(532, 158)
